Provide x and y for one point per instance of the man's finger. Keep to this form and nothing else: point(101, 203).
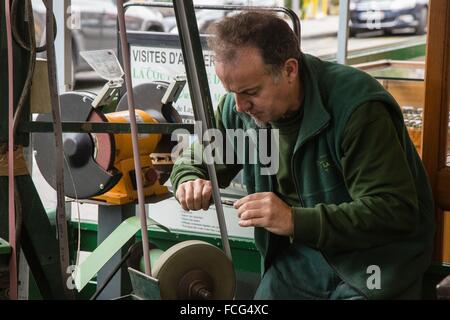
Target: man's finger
point(254, 222)
point(250, 197)
point(181, 196)
point(250, 214)
point(250, 205)
point(198, 190)
point(206, 196)
point(189, 195)
point(180, 193)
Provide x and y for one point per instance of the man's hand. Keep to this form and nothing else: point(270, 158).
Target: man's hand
point(194, 195)
point(265, 210)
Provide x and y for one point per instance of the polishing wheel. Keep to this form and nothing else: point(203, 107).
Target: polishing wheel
point(195, 270)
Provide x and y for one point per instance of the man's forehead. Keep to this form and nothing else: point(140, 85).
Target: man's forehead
point(241, 73)
point(238, 79)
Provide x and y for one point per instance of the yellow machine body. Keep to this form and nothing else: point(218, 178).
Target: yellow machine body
point(125, 190)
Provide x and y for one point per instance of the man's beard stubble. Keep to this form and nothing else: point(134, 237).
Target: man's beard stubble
point(260, 124)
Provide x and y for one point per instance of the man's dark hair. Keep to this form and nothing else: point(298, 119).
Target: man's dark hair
point(265, 31)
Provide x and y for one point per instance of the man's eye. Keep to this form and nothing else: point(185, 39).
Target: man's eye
point(251, 93)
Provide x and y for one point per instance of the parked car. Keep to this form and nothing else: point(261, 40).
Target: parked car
point(388, 15)
point(206, 17)
point(95, 24)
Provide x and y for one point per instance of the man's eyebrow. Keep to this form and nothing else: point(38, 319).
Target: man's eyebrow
point(247, 89)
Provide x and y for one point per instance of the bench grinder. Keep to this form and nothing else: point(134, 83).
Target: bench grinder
point(100, 166)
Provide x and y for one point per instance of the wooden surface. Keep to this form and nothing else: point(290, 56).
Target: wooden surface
point(406, 93)
point(435, 121)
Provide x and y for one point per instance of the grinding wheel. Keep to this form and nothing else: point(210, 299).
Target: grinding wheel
point(87, 172)
point(195, 270)
point(147, 97)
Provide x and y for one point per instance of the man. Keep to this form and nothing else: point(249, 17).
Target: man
point(349, 214)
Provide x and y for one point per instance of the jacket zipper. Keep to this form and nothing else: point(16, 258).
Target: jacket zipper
point(302, 203)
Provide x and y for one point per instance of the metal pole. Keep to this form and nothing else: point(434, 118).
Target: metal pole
point(199, 89)
point(11, 205)
point(61, 219)
point(296, 7)
point(63, 45)
point(341, 56)
point(134, 134)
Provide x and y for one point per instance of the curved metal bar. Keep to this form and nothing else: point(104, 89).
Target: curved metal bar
point(291, 14)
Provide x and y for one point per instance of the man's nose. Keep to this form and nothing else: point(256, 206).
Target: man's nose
point(242, 104)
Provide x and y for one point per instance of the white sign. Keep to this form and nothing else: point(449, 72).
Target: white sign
point(170, 214)
point(163, 64)
point(104, 63)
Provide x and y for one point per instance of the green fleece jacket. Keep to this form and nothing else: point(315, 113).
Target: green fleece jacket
point(360, 208)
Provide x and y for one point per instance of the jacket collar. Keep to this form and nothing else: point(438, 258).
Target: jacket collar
point(315, 115)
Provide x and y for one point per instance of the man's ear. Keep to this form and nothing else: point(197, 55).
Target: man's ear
point(291, 68)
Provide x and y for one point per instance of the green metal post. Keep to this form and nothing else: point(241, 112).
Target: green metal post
point(38, 241)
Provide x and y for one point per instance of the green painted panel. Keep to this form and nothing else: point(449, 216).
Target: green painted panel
point(38, 239)
point(402, 53)
point(4, 247)
point(101, 255)
point(405, 50)
point(245, 255)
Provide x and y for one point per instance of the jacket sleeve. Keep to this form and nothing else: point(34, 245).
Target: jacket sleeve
point(190, 165)
point(376, 172)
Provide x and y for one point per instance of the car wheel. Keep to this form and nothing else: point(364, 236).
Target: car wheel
point(155, 29)
point(422, 27)
point(352, 33)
